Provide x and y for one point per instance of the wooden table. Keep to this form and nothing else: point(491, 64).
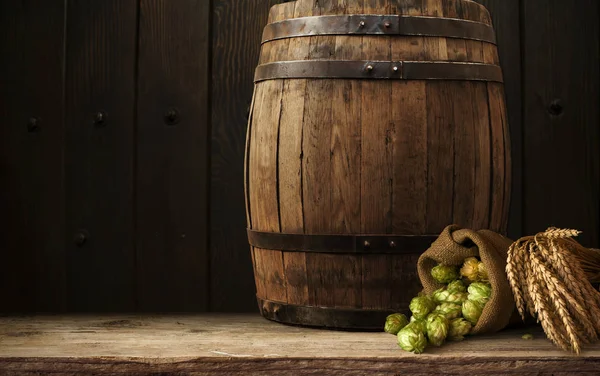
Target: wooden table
point(250, 345)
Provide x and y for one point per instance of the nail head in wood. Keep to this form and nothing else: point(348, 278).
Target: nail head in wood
point(33, 124)
point(172, 116)
point(80, 238)
point(100, 118)
point(555, 108)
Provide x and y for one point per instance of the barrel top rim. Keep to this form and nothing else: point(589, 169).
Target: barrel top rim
point(380, 15)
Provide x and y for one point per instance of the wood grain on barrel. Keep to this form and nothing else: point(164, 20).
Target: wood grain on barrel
point(490, 54)
point(290, 167)
point(376, 167)
point(508, 173)
point(264, 203)
point(483, 162)
point(277, 50)
point(408, 7)
point(434, 48)
point(368, 156)
point(404, 283)
point(497, 113)
point(474, 51)
point(263, 156)
point(440, 155)
point(456, 49)
point(409, 115)
point(464, 152)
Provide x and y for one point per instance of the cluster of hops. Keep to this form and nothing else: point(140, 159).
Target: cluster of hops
point(448, 313)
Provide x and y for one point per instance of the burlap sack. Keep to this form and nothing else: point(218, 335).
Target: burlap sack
point(452, 247)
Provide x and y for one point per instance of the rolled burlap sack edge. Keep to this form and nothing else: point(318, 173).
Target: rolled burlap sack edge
point(452, 247)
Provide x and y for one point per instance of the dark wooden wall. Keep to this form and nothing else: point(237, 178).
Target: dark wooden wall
point(122, 126)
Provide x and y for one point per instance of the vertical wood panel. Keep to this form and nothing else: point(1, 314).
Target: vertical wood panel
point(236, 33)
point(100, 70)
point(172, 164)
point(376, 168)
point(33, 276)
point(505, 14)
point(464, 153)
point(562, 162)
point(440, 155)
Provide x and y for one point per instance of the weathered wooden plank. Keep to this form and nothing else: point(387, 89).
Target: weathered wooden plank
point(464, 152)
point(440, 155)
point(32, 44)
point(561, 137)
point(204, 344)
point(99, 157)
point(457, 49)
point(474, 51)
point(481, 121)
point(498, 148)
point(376, 166)
point(316, 167)
point(263, 189)
point(236, 33)
point(172, 158)
point(409, 156)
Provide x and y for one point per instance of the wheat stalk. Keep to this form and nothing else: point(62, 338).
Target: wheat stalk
point(549, 274)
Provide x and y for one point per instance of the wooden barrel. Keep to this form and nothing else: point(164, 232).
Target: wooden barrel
point(374, 125)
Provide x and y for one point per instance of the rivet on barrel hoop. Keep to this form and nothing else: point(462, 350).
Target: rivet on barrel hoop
point(361, 24)
point(367, 244)
point(369, 68)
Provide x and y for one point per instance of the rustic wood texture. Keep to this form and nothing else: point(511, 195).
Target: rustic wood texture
point(236, 33)
point(250, 345)
point(562, 182)
point(559, 62)
point(172, 159)
point(33, 276)
point(333, 156)
point(99, 168)
point(504, 14)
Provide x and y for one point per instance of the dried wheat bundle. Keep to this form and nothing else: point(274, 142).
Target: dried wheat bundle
point(550, 275)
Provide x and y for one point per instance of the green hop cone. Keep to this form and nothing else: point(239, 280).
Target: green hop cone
point(439, 295)
point(437, 328)
point(471, 310)
point(421, 306)
point(450, 310)
point(418, 325)
point(470, 269)
point(395, 322)
point(448, 297)
point(444, 273)
point(456, 286)
point(412, 339)
point(480, 292)
point(482, 272)
point(458, 329)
